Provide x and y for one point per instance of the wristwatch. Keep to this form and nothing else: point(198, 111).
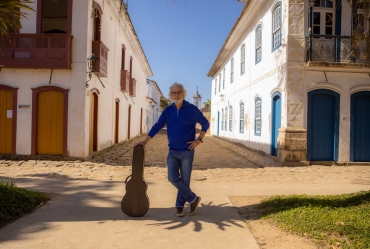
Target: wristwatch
point(200, 139)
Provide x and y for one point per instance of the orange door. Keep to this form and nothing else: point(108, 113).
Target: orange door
point(50, 117)
point(6, 120)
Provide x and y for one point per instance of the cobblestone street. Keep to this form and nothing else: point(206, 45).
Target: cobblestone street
point(216, 160)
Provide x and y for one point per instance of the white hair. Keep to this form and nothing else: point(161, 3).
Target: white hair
point(179, 85)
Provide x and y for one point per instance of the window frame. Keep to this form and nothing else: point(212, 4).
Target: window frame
point(226, 119)
point(258, 46)
point(222, 119)
point(277, 31)
point(232, 70)
point(223, 81)
point(231, 118)
point(242, 59)
point(241, 117)
point(258, 117)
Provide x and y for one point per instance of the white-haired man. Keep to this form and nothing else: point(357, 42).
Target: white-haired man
point(181, 118)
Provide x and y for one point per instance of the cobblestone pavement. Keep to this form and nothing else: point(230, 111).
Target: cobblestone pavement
point(216, 160)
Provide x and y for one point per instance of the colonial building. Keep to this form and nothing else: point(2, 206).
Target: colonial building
point(153, 104)
point(290, 81)
point(52, 101)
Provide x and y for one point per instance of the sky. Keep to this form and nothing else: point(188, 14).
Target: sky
point(182, 38)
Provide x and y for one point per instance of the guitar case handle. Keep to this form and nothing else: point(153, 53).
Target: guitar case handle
point(127, 178)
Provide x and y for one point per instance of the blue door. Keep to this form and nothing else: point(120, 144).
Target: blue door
point(218, 123)
point(360, 127)
point(276, 122)
point(323, 125)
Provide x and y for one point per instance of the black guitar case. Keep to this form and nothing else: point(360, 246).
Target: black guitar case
point(135, 202)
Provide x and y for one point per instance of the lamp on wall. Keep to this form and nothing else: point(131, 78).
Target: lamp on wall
point(91, 63)
point(222, 96)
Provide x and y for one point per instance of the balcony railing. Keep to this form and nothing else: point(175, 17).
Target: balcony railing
point(101, 51)
point(46, 51)
point(133, 87)
point(125, 81)
point(332, 48)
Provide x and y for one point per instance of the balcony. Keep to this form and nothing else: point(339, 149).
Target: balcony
point(101, 51)
point(133, 87)
point(125, 81)
point(336, 49)
point(39, 51)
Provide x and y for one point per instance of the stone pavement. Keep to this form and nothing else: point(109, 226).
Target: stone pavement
point(84, 211)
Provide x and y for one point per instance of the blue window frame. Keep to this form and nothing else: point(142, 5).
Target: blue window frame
point(232, 71)
point(225, 119)
point(258, 43)
point(242, 59)
point(222, 119)
point(276, 26)
point(215, 86)
point(241, 121)
point(258, 117)
point(230, 118)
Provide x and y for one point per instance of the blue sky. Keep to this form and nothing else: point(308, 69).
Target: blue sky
point(181, 39)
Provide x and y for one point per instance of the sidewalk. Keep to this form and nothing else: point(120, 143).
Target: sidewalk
point(84, 211)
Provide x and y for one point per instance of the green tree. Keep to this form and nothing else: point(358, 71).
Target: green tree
point(165, 102)
point(207, 103)
point(11, 14)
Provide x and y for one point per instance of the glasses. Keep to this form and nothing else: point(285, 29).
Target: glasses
point(177, 93)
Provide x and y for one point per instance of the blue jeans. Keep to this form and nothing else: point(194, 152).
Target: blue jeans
point(180, 165)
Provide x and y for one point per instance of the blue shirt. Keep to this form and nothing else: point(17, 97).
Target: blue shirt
point(180, 125)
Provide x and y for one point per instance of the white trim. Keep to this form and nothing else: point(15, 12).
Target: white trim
point(359, 89)
point(329, 86)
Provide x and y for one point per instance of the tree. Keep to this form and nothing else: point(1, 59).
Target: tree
point(207, 103)
point(164, 102)
point(11, 14)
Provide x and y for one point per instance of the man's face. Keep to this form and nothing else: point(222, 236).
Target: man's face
point(177, 94)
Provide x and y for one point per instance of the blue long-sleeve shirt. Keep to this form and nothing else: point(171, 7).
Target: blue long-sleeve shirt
point(180, 125)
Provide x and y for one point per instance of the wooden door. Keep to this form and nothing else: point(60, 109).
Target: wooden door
point(116, 124)
point(94, 123)
point(129, 122)
point(276, 123)
point(360, 124)
point(50, 119)
point(323, 125)
point(6, 121)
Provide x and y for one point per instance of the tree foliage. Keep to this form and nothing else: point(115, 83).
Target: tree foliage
point(207, 103)
point(165, 102)
point(11, 14)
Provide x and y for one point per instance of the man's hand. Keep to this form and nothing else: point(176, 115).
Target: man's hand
point(194, 144)
point(144, 142)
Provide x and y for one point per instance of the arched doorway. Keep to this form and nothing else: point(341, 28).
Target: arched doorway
point(275, 121)
point(49, 121)
point(323, 125)
point(94, 122)
point(8, 119)
point(360, 123)
point(116, 123)
point(129, 122)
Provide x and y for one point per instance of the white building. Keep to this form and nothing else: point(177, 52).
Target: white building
point(197, 100)
point(52, 107)
point(288, 82)
point(153, 104)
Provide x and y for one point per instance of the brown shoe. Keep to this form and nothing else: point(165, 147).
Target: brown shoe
point(194, 205)
point(180, 212)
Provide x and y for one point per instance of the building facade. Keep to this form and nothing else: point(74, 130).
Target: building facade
point(290, 81)
point(52, 103)
point(153, 104)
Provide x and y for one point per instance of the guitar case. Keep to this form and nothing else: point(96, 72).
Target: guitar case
point(135, 202)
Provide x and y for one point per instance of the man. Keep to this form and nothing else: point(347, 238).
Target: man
point(181, 118)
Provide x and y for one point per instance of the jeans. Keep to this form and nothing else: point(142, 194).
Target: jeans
point(180, 165)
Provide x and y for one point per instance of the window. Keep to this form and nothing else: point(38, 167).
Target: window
point(219, 83)
point(257, 119)
point(232, 71)
point(323, 19)
point(223, 81)
point(258, 43)
point(215, 85)
point(276, 27)
point(241, 122)
point(225, 119)
point(222, 119)
point(231, 118)
point(242, 59)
